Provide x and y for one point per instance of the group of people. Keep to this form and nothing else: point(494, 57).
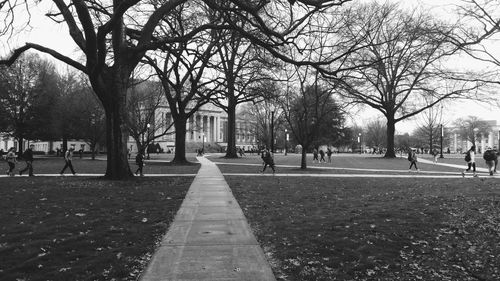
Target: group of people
point(490, 156)
point(322, 153)
point(11, 159)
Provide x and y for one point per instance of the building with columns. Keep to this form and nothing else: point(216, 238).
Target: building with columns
point(458, 144)
point(207, 127)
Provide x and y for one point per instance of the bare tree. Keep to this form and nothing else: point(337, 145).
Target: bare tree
point(430, 127)
point(22, 89)
point(145, 121)
point(309, 111)
point(246, 69)
point(114, 36)
point(375, 134)
point(405, 64)
point(471, 128)
point(479, 26)
point(186, 83)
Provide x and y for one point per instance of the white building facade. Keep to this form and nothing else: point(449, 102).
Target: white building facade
point(460, 144)
point(208, 128)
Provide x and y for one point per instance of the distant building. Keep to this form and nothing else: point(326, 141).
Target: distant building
point(209, 122)
point(459, 144)
point(208, 127)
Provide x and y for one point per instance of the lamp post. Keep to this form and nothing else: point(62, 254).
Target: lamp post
point(147, 130)
point(203, 142)
point(286, 141)
point(474, 137)
point(442, 133)
point(359, 142)
point(272, 128)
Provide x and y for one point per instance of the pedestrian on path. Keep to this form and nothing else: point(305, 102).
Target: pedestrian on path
point(490, 156)
point(28, 157)
point(435, 155)
point(471, 162)
point(267, 157)
point(315, 155)
point(11, 161)
point(412, 157)
point(322, 154)
point(329, 154)
point(68, 158)
point(139, 160)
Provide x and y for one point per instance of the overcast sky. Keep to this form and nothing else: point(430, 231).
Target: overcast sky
point(46, 33)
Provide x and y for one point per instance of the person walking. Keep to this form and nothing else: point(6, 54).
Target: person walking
point(412, 157)
point(490, 156)
point(322, 154)
point(471, 162)
point(267, 157)
point(68, 158)
point(139, 160)
point(435, 155)
point(329, 154)
point(11, 160)
point(315, 155)
point(28, 157)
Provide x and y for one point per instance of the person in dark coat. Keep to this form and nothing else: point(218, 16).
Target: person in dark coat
point(412, 157)
point(68, 158)
point(267, 157)
point(322, 155)
point(28, 157)
point(139, 160)
point(11, 160)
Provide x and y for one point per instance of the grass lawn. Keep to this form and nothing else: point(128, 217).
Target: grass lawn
point(77, 228)
point(375, 229)
point(341, 163)
point(53, 165)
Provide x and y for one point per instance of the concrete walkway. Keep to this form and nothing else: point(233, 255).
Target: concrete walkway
point(210, 238)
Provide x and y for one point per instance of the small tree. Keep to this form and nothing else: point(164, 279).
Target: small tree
point(24, 89)
point(145, 121)
point(471, 128)
point(312, 116)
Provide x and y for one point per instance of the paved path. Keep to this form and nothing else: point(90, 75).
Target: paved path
point(210, 238)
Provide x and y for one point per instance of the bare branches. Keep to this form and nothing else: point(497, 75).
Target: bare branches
point(17, 52)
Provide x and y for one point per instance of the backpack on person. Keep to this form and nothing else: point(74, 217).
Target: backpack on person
point(138, 158)
point(410, 156)
point(489, 155)
point(467, 157)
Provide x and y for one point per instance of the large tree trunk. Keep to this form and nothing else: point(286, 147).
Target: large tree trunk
point(180, 140)
point(431, 140)
point(391, 129)
point(303, 161)
point(116, 140)
point(92, 150)
point(231, 129)
point(20, 141)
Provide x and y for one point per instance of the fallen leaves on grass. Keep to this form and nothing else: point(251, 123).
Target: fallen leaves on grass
point(355, 229)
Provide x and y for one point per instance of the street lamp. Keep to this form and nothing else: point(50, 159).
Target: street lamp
point(203, 142)
point(147, 130)
point(442, 133)
point(359, 142)
point(272, 128)
point(286, 141)
point(474, 137)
